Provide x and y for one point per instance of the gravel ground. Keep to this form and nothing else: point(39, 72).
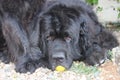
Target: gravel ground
point(108, 71)
point(7, 72)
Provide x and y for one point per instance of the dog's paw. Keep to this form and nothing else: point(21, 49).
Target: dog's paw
point(29, 62)
point(4, 57)
point(95, 56)
point(29, 66)
point(95, 59)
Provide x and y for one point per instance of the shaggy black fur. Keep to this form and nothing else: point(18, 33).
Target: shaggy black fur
point(16, 17)
point(55, 33)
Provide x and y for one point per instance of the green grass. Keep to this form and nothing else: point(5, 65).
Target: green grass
point(81, 68)
point(110, 55)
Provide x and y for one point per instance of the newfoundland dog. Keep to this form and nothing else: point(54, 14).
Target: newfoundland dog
point(51, 33)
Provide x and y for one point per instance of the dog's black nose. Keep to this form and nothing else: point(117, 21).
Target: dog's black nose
point(59, 56)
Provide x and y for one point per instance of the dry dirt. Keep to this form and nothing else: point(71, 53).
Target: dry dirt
point(109, 71)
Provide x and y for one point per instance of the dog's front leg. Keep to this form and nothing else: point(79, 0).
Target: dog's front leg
point(25, 57)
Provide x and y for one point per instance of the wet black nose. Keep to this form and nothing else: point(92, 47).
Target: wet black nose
point(59, 56)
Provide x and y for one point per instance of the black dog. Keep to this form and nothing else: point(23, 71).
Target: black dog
point(62, 31)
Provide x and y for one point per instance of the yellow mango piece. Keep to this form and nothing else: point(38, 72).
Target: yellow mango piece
point(60, 68)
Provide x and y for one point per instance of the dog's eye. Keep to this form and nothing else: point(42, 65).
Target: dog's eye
point(50, 38)
point(67, 39)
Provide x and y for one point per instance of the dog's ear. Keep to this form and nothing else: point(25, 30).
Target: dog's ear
point(107, 39)
point(96, 32)
point(84, 38)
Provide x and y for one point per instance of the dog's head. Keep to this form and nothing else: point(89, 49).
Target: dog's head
point(59, 35)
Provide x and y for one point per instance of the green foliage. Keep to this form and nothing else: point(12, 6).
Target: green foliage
point(119, 15)
point(81, 68)
point(92, 2)
point(118, 0)
point(110, 55)
point(118, 9)
point(99, 9)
